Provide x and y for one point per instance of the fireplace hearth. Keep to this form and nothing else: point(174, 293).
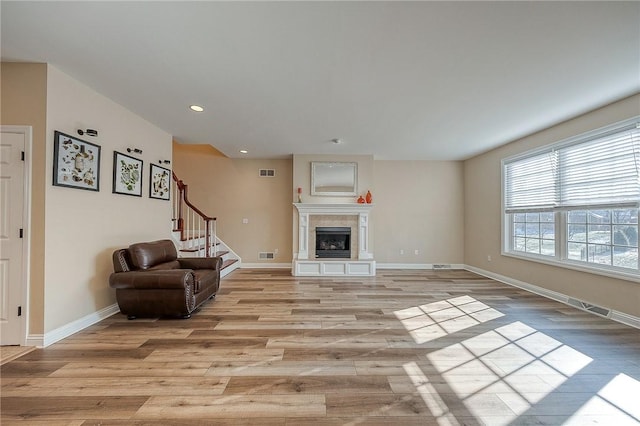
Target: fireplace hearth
point(333, 242)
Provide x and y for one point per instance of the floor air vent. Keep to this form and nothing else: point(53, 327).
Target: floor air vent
point(267, 173)
point(599, 310)
point(265, 255)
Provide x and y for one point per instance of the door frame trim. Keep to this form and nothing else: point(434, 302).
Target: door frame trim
point(27, 131)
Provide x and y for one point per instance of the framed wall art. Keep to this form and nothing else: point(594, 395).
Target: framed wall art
point(76, 163)
point(127, 175)
point(159, 182)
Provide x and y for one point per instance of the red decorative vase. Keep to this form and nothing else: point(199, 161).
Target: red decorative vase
point(360, 200)
point(368, 197)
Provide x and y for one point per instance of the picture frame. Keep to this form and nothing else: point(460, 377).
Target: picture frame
point(127, 174)
point(334, 179)
point(76, 163)
point(159, 182)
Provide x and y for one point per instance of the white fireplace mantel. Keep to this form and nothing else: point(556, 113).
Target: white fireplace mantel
point(363, 265)
point(333, 209)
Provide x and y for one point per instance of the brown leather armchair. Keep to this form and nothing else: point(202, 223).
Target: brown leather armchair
point(151, 280)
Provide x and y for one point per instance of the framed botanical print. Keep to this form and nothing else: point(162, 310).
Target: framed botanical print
point(159, 182)
point(76, 163)
point(127, 174)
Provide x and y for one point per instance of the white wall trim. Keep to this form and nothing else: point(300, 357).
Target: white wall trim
point(627, 319)
point(42, 341)
point(378, 265)
point(265, 265)
point(419, 266)
point(618, 316)
point(35, 340)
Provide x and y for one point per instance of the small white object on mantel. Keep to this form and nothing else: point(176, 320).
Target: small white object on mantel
point(364, 265)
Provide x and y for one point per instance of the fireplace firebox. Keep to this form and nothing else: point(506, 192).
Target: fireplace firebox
point(333, 242)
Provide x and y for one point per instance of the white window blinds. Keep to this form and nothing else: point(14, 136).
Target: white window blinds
point(530, 183)
point(596, 171)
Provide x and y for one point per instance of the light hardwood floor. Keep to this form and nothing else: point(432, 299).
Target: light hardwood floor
point(403, 348)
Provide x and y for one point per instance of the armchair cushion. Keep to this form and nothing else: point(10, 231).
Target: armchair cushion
point(200, 262)
point(174, 264)
point(146, 255)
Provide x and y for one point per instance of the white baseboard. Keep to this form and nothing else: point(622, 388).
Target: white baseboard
point(36, 340)
point(520, 284)
point(422, 266)
point(44, 340)
point(378, 266)
point(627, 319)
point(618, 316)
point(265, 265)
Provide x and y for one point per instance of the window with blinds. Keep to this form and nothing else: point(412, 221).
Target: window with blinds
point(576, 201)
point(599, 171)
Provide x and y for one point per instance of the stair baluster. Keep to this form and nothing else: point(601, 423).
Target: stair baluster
point(193, 220)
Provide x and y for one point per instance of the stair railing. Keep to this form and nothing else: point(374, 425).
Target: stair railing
point(191, 221)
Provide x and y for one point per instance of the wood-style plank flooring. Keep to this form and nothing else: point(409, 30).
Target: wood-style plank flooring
point(402, 348)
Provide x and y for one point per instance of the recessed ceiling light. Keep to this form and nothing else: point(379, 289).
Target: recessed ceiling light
point(243, 151)
point(196, 108)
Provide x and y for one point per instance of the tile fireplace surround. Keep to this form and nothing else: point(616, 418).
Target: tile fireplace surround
point(361, 262)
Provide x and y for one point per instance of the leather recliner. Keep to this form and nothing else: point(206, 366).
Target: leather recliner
point(152, 281)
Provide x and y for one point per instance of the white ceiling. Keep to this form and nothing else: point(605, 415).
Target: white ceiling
point(398, 80)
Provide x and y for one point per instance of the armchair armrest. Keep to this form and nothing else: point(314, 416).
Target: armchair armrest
point(200, 262)
point(141, 280)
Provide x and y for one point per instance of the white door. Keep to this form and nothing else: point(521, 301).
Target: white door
point(12, 192)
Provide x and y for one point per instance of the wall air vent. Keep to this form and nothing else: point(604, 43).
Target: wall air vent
point(599, 310)
point(441, 266)
point(266, 255)
point(267, 173)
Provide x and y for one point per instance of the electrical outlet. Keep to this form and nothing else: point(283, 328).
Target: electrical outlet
point(488, 258)
point(245, 220)
point(401, 251)
point(416, 252)
point(275, 251)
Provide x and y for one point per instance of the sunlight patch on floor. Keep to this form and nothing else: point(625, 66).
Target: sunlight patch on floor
point(430, 396)
point(438, 319)
point(499, 374)
point(518, 363)
point(618, 400)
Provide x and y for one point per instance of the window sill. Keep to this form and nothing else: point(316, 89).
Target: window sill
point(611, 273)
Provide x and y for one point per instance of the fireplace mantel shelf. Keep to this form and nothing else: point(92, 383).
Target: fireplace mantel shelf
point(337, 208)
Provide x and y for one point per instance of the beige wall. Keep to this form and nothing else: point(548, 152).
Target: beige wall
point(84, 227)
point(231, 190)
point(302, 179)
point(424, 198)
point(73, 232)
point(23, 89)
point(419, 205)
point(483, 218)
